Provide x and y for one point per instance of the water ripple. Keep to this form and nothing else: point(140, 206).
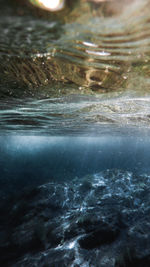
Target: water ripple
point(78, 115)
point(102, 44)
point(95, 56)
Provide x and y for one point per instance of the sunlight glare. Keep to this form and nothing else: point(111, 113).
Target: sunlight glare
point(52, 5)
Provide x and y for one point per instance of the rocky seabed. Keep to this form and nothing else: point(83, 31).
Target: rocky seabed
point(99, 220)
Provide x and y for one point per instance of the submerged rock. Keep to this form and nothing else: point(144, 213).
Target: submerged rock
point(98, 229)
point(138, 251)
point(105, 235)
point(40, 49)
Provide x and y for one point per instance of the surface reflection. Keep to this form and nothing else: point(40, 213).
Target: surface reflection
point(51, 5)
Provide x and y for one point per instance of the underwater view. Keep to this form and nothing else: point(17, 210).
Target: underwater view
point(75, 133)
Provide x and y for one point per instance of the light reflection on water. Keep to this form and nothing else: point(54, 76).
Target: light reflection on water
point(74, 121)
point(86, 75)
point(75, 115)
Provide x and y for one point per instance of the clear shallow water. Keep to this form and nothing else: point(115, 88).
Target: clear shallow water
point(75, 115)
point(89, 71)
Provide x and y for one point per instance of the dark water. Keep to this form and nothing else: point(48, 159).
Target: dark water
point(74, 135)
point(33, 160)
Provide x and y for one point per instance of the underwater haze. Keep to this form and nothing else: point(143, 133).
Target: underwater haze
point(74, 133)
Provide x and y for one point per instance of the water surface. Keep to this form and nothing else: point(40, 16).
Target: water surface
point(74, 135)
point(62, 77)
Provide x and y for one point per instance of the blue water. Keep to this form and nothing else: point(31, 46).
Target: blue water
point(74, 135)
point(33, 160)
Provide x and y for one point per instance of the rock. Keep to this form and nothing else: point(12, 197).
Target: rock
point(37, 59)
point(129, 258)
point(104, 235)
point(55, 219)
point(85, 186)
point(137, 251)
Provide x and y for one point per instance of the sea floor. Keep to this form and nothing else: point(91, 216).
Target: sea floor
point(74, 134)
point(101, 219)
point(75, 201)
